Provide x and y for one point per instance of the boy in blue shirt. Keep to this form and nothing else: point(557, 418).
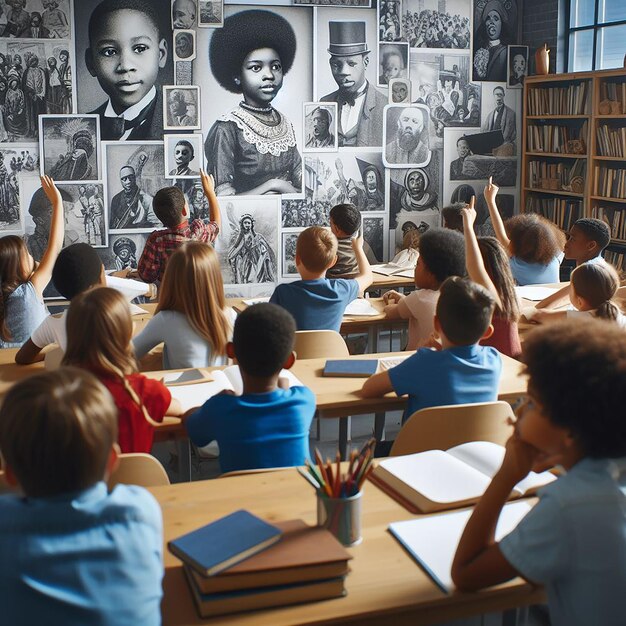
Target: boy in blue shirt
point(573, 541)
point(70, 552)
point(463, 371)
point(317, 302)
point(268, 425)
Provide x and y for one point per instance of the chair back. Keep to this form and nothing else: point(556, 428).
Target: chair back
point(443, 427)
point(138, 468)
point(315, 344)
point(53, 358)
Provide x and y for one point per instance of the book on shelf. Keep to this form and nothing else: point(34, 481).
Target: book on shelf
point(554, 138)
point(609, 182)
point(562, 211)
point(614, 217)
point(224, 542)
point(611, 141)
point(304, 553)
point(360, 368)
point(615, 258)
point(437, 480)
point(209, 605)
point(432, 541)
point(196, 392)
point(568, 100)
point(554, 176)
point(615, 91)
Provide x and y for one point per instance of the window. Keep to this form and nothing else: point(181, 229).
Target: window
point(596, 34)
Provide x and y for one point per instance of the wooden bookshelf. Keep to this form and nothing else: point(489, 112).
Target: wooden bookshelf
point(554, 101)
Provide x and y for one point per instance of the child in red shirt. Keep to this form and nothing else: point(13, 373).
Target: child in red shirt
point(99, 332)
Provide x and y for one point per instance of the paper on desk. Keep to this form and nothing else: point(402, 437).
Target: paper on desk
point(130, 288)
point(361, 306)
point(136, 310)
point(433, 540)
point(252, 301)
point(535, 292)
point(188, 376)
point(405, 274)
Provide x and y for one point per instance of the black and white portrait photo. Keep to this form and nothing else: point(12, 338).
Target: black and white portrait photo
point(258, 79)
point(133, 173)
point(126, 96)
point(355, 177)
point(518, 66)
point(183, 156)
point(495, 28)
point(36, 19)
point(347, 74)
point(288, 248)
point(320, 126)
point(184, 13)
point(406, 136)
point(181, 108)
point(16, 162)
point(304, 213)
point(374, 239)
point(436, 23)
point(248, 242)
point(407, 220)
point(389, 16)
point(393, 62)
point(68, 146)
point(184, 45)
point(499, 114)
point(124, 251)
point(211, 13)
point(35, 78)
point(400, 91)
point(356, 4)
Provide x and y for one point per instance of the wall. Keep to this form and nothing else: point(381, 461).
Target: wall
point(539, 26)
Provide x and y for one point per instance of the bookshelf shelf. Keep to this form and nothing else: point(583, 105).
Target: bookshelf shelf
point(558, 117)
point(557, 192)
point(559, 155)
point(609, 117)
point(598, 157)
point(604, 199)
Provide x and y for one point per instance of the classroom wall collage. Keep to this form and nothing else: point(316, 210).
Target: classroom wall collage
point(396, 108)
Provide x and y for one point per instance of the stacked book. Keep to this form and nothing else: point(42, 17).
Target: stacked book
point(549, 138)
point(611, 140)
point(554, 176)
point(615, 92)
point(570, 100)
point(241, 563)
point(615, 218)
point(562, 211)
point(609, 182)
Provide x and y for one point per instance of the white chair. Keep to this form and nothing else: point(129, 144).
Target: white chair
point(316, 344)
point(138, 468)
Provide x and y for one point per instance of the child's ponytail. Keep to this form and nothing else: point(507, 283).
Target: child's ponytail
point(608, 311)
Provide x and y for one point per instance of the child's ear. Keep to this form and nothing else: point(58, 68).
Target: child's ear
point(437, 325)
point(113, 461)
point(162, 53)
point(103, 277)
point(291, 359)
point(487, 333)
point(186, 209)
point(89, 62)
point(230, 350)
point(333, 263)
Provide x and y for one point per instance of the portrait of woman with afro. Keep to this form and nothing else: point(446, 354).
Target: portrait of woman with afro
point(252, 148)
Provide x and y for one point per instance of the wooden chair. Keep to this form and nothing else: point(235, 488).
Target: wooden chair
point(442, 427)
point(52, 359)
point(260, 470)
point(138, 468)
point(316, 344)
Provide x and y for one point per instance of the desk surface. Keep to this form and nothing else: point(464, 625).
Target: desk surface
point(381, 281)
point(385, 585)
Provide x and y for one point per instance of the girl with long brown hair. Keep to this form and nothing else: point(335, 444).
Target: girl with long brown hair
point(99, 332)
point(191, 318)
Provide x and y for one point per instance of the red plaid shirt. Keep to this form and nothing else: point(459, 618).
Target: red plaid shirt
point(161, 244)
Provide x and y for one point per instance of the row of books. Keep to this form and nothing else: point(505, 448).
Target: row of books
point(570, 100)
point(615, 92)
point(609, 182)
point(611, 140)
point(556, 176)
point(615, 218)
point(615, 258)
point(562, 211)
point(241, 563)
point(550, 138)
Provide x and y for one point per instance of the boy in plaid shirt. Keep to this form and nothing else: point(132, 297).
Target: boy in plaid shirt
point(171, 207)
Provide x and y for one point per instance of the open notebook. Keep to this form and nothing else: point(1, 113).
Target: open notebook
point(393, 269)
point(432, 541)
point(436, 480)
point(194, 392)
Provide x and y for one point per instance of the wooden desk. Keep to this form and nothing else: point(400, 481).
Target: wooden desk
point(390, 282)
point(385, 586)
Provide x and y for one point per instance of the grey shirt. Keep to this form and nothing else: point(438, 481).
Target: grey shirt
point(346, 266)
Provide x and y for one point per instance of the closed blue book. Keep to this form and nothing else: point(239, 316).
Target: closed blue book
point(356, 368)
point(229, 540)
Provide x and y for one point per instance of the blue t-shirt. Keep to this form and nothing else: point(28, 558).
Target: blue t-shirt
point(85, 558)
point(316, 304)
point(456, 375)
point(574, 542)
point(23, 313)
point(526, 273)
point(256, 429)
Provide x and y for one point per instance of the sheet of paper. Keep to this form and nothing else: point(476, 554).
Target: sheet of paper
point(388, 362)
point(432, 540)
point(386, 269)
point(136, 310)
point(361, 307)
point(130, 288)
point(196, 394)
point(405, 274)
point(252, 301)
point(189, 376)
point(233, 375)
point(535, 292)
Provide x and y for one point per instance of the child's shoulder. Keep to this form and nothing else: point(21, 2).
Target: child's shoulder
point(136, 500)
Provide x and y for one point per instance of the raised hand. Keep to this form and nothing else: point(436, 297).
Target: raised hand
point(51, 191)
point(491, 191)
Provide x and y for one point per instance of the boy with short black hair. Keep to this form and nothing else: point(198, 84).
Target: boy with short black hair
point(345, 221)
point(441, 255)
point(462, 371)
point(70, 552)
point(77, 268)
point(171, 207)
point(573, 541)
point(126, 52)
point(268, 425)
point(317, 302)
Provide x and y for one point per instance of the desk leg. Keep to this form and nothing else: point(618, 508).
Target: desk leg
point(372, 339)
point(345, 424)
point(379, 426)
point(184, 459)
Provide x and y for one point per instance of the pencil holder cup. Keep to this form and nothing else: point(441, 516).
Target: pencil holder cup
point(342, 517)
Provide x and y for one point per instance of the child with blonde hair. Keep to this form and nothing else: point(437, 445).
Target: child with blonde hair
point(99, 332)
point(22, 280)
point(191, 319)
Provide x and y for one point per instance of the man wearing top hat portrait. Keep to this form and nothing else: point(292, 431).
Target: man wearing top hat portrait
point(360, 103)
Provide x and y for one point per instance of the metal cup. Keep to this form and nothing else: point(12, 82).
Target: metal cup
point(342, 517)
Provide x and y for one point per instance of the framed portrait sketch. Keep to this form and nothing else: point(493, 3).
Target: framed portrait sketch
point(374, 240)
point(181, 107)
point(183, 156)
point(17, 161)
point(69, 147)
point(124, 251)
point(399, 91)
point(211, 13)
point(436, 24)
point(518, 66)
point(184, 13)
point(406, 136)
point(353, 4)
point(389, 20)
point(288, 251)
point(393, 62)
point(184, 45)
point(320, 126)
